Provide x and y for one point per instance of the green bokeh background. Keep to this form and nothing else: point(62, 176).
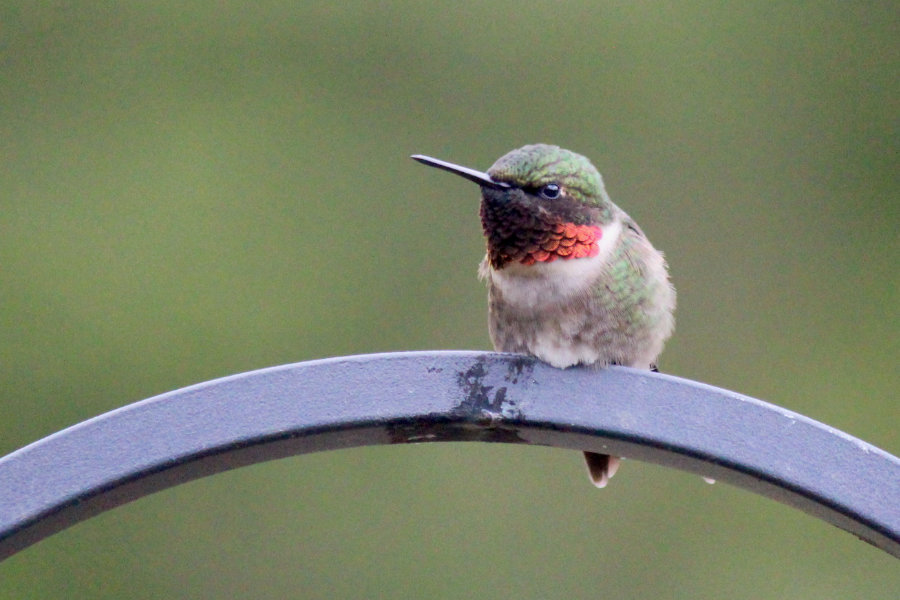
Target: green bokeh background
point(191, 190)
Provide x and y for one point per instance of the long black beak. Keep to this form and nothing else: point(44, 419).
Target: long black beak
point(482, 179)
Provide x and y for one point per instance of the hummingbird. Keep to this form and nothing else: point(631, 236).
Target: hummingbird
point(572, 279)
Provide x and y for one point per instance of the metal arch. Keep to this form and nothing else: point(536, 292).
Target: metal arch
point(395, 398)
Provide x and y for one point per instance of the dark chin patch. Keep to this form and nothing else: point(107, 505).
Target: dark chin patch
point(521, 228)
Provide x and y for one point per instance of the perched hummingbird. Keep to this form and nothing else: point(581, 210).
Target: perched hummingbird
point(572, 279)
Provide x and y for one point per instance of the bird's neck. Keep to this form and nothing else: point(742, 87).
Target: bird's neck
point(528, 237)
point(557, 241)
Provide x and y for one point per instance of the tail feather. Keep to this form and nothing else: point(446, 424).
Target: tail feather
point(601, 467)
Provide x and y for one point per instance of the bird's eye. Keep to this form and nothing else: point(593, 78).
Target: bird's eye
point(550, 191)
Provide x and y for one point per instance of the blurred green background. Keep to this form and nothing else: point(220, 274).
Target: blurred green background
point(191, 190)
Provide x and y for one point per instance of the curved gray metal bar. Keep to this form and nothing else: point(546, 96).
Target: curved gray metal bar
point(445, 396)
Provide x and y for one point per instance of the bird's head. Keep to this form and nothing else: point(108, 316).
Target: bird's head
point(539, 203)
